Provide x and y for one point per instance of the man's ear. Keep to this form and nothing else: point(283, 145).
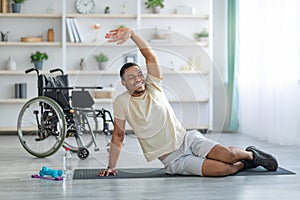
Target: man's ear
point(123, 82)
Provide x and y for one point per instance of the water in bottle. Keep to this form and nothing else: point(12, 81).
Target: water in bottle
point(67, 163)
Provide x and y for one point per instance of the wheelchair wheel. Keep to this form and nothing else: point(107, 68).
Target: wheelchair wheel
point(41, 126)
point(83, 153)
point(87, 123)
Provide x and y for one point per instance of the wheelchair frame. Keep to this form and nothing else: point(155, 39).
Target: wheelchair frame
point(47, 122)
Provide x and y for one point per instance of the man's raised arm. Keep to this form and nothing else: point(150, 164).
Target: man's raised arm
point(121, 35)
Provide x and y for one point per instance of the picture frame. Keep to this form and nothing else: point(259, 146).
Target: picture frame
point(131, 57)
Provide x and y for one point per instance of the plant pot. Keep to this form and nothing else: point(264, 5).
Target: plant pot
point(16, 7)
point(38, 65)
point(101, 65)
point(156, 9)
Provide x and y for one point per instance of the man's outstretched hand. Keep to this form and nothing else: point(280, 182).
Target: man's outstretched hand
point(108, 172)
point(119, 35)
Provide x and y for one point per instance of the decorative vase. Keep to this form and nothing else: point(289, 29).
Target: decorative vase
point(38, 65)
point(50, 35)
point(11, 64)
point(156, 9)
point(16, 7)
point(101, 65)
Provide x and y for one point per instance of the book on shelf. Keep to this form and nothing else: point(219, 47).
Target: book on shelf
point(70, 30)
point(5, 6)
point(77, 29)
point(74, 31)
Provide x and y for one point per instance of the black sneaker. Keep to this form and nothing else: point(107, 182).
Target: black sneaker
point(263, 159)
point(249, 164)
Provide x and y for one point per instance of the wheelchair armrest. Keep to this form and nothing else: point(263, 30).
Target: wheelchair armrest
point(87, 87)
point(58, 88)
point(72, 88)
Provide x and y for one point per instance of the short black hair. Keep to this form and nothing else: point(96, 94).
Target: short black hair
point(125, 66)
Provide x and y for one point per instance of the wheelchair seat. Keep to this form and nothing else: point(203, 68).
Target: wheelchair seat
point(82, 99)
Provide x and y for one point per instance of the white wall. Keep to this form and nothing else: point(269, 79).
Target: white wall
point(220, 62)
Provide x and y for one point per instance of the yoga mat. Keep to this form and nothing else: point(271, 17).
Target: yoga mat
point(160, 173)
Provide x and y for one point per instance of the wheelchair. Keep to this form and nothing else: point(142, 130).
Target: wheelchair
point(55, 119)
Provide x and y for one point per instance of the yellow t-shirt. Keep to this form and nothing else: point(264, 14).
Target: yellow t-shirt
point(152, 119)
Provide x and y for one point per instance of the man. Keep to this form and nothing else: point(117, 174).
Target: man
point(161, 136)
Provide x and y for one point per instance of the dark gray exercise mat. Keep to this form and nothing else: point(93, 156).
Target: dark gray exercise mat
point(160, 173)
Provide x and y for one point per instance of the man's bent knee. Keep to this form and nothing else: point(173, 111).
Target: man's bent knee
point(232, 155)
point(223, 154)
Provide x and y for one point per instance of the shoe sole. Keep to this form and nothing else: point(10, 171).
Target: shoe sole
point(263, 159)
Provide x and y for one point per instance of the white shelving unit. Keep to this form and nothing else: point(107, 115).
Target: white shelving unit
point(194, 92)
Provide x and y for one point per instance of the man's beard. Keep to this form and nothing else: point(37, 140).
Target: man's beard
point(138, 92)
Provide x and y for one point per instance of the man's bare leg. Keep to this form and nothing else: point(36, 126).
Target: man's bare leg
point(223, 161)
point(217, 168)
point(229, 155)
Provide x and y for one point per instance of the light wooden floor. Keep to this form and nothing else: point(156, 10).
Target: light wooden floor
point(16, 166)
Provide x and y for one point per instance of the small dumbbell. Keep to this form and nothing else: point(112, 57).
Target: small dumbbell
point(51, 172)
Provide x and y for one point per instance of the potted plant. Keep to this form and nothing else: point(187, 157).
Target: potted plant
point(37, 58)
point(101, 59)
point(156, 5)
point(16, 5)
point(202, 36)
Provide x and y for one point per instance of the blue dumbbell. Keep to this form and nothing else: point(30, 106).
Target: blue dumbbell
point(51, 172)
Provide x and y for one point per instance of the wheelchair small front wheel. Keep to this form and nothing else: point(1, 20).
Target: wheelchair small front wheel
point(41, 126)
point(83, 153)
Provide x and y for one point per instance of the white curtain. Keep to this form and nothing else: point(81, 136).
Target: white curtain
point(269, 32)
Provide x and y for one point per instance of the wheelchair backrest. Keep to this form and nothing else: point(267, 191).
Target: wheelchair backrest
point(47, 87)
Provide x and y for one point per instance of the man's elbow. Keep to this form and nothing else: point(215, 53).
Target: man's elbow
point(118, 137)
point(152, 58)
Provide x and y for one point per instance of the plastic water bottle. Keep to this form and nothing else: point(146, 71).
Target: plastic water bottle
point(67, 163)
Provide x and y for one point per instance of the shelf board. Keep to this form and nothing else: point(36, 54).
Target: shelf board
point(26, 44)
point(107, 16)
point(178, 44)
point(153, 44)
point(10, 72)
point(175, 16)
point(104, 100)
point(187, 72)
point(9, 129)
point(22, 72)
point(93, 44)
point(13, 101)
point(99, 72)
point(30, 15)
point(202, 100)
point(92, 72)
point(14, 128)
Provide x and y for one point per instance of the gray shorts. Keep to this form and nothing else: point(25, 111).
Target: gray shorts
point(188, 159)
